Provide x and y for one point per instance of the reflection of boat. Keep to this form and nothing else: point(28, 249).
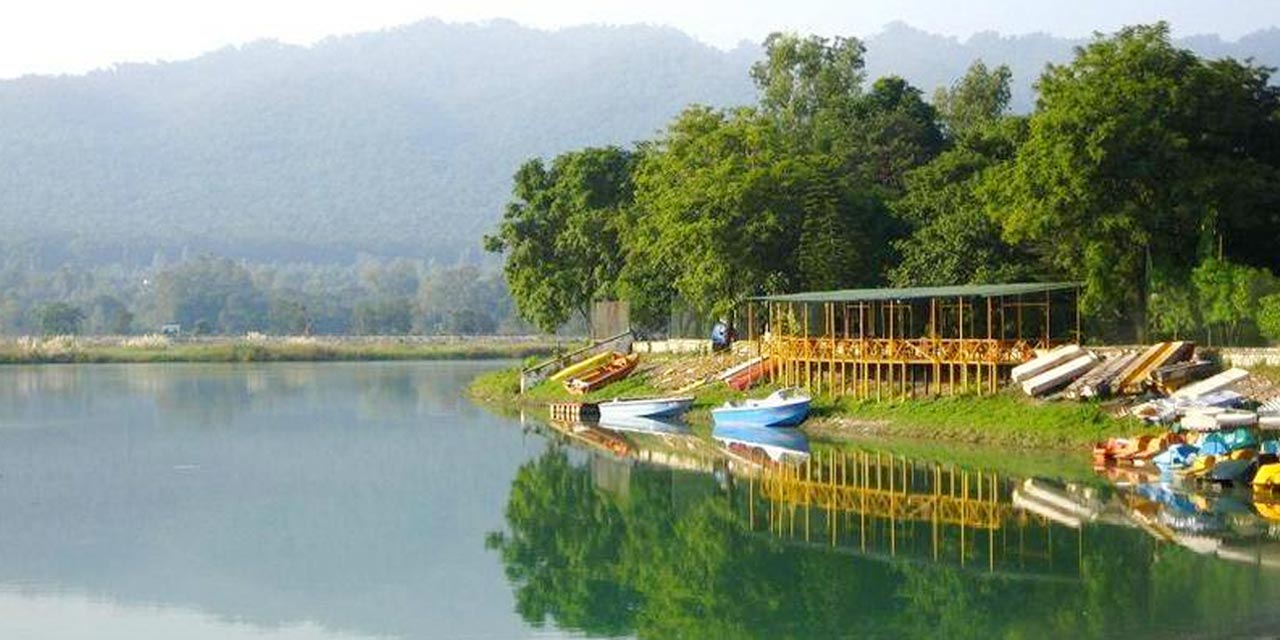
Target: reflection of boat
point(645, 407)
point(1268, 507)
point(617, 368)
point(635, 424)
point(782, 408)
point(761, 443)
point(1268, 477)
point(1053, 502)
point(1233, 471)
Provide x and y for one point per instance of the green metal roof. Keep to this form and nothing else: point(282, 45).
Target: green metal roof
point(916, 293)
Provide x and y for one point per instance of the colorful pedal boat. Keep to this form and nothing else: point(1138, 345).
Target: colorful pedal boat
point(1175, 457)
point(1268, 477)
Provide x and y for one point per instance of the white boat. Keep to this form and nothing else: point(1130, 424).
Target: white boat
point(645, 407)
point(1214, 418)
point(1045, 362)
point(633, 424)
point(1222, 381)
point(1059, 375)
point(783, 408)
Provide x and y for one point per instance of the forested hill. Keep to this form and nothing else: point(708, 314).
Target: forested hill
point(394, 143)
point(399, 142)
point(930, 61)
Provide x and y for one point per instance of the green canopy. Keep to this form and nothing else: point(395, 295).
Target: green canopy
point(917, 293)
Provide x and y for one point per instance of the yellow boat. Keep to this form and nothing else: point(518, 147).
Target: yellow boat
point(586, 365)
point(1243, 454)
point(1268, 477)
point(1201, 466)
point(1268, 509)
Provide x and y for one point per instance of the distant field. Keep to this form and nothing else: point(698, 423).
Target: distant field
point(257, 348)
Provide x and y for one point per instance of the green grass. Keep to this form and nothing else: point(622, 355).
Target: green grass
point(233, 350)
point(501, 389)
point(1005, 419)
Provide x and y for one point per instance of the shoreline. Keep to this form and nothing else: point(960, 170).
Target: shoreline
point(156, 349)
point(1005, 420)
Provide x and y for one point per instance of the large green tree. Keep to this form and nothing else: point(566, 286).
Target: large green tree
point(1139, 157)
point(560, 233)
point(978, 99)
point(810, 86)
point(721, 212)
point(953, 240)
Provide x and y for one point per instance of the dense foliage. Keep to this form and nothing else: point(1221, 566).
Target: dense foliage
point(207, 295)
point(1146, 172)
point(306, 164)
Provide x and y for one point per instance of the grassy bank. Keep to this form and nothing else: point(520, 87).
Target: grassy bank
point(1004, 420)
point(501, 389)
point(155, 349)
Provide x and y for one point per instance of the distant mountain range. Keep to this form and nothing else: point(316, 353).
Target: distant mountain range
point(392, 143)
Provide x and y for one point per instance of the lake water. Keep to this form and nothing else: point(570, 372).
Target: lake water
point(375, 501)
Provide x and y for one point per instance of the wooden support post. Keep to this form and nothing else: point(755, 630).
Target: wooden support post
point(893, 340)
point(1018, 313)
point(1079, 335)
point(808, 380)
point(831, 354)
point(1048, 333)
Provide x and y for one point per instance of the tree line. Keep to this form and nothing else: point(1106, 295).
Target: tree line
point(209, 295)
point(1146, 172)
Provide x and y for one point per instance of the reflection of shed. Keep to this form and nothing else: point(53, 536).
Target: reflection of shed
point(890, 506)
point(899, 342)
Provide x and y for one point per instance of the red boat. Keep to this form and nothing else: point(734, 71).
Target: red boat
point(748, 377)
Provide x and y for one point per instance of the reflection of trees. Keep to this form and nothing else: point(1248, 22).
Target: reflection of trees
point(677, 559)
point(564, 549)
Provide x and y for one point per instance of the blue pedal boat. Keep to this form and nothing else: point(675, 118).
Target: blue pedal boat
point(782, 408)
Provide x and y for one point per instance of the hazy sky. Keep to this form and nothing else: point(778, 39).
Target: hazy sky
point(62, 36)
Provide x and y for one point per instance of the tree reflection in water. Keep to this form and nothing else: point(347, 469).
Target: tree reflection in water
point(676, 555)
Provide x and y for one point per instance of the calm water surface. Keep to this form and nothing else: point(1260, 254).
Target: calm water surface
point(375, 501)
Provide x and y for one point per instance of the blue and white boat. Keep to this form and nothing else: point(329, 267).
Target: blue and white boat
point(783, 408)
point(645, 408)
point(757, 443)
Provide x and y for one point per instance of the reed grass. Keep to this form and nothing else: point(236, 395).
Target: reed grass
point(251, 348)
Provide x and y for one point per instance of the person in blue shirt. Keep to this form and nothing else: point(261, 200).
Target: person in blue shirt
point(720, 337)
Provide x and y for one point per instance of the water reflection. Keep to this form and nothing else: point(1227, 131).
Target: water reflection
point(858, 543)
point(289, 500)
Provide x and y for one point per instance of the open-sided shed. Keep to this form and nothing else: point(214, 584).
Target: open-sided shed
point(904, 342)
